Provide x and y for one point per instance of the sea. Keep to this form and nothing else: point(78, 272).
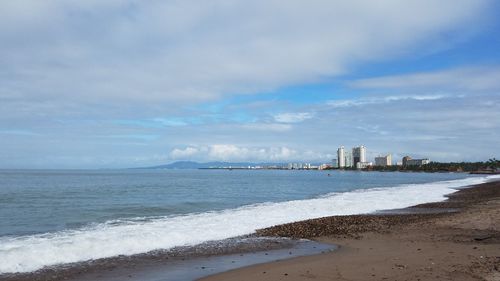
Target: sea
point(57, 217)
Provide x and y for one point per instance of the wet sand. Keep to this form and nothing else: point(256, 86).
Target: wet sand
point(460, 245)
point(181, 263)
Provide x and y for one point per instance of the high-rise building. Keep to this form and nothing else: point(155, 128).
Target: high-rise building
point(358, 155)
point(406, 159)
point(341, 157)
point(335, 163)
point(383, 160)
point(348, 159)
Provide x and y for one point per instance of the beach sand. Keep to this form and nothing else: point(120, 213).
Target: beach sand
point(462, 245)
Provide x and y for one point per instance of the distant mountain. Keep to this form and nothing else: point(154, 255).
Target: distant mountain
point(196, 165)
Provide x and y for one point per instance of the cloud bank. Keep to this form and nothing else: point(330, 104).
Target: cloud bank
point(229, 152)
point(192, 51)
point(133, 83)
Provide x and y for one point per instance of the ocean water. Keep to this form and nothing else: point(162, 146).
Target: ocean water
point(50, 217)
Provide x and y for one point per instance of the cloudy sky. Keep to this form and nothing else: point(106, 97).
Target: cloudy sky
point(124, 83)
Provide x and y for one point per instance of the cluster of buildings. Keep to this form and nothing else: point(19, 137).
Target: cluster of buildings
point(306, 166)
point(356, 158)
point(351, 159)
point(346, 159)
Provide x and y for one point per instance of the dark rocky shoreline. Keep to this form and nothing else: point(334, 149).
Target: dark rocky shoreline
point(349, 226)
point(353, 225)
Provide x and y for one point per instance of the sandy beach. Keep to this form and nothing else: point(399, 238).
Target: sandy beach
point(461, 245)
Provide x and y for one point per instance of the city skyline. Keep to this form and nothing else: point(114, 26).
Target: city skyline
point(117, 84)
point(346, 159)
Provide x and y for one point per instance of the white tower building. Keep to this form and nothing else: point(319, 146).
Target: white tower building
point(341, 157)
point(362, 153)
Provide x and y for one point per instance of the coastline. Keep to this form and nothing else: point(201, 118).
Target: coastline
point(440, 245)
point(345, 231)
point(180, 263)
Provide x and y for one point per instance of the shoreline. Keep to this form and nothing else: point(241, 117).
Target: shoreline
point(323, 230)
point(179, 263)
point(463, 244)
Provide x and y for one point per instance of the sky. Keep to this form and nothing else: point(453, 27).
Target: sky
point(129, 83)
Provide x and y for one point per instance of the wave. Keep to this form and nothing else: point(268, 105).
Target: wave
point(141, 235)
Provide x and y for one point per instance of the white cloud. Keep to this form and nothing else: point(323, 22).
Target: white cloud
point(227, 152)
point(231, 152)
point(292, 117)
point(469, 79)
point(192, 51)
point(186, 153)
point(381, 100)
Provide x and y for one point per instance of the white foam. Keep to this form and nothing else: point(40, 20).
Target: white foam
point(30, 253)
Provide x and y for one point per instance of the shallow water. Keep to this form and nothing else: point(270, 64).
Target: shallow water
point(46, 201)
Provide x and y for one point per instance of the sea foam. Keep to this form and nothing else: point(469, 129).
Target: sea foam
point(141, 235)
